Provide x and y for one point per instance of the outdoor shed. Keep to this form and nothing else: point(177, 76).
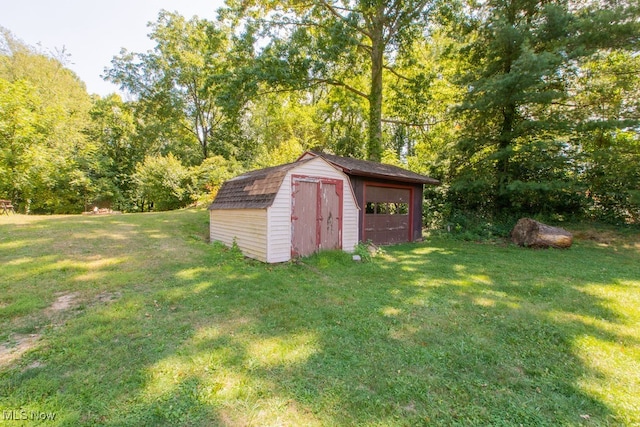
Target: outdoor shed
point(286, 211)
point(390, 198)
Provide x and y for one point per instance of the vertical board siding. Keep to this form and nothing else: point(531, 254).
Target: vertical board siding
point(247, 226)
point(279, 214)
point(304, 232)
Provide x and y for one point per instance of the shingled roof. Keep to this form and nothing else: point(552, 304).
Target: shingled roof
point(366, 168)
point(253, 190)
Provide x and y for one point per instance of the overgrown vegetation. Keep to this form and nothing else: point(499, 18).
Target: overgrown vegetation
point(137, 320)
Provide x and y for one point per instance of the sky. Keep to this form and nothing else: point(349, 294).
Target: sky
point(93, 32)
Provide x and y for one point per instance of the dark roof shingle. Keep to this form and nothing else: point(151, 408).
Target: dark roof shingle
point(257, 189)
point(366, 168)
point(252, 190)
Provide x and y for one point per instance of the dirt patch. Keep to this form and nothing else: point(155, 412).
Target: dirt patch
point(21, 344)
point(64, 302)
point(55, 315)
point(602, 237)
point(609, 238)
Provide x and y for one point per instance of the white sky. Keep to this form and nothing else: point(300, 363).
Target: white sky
point(93, 32)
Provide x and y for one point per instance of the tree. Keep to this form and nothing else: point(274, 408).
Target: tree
point(516, 151)
point(208, 177)
point(44, 154)
point(181, 83)
point(162, 183)
point(607, 107)
point(118, 150)
point(334, 42)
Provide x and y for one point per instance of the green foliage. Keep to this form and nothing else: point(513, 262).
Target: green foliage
point(540, 92)
point(347, 46)
point(519, 107)
point(184, 86)
point(162, 183)
point(471, 226)
point(613, 177)
point(283, 126)
point(207, 177)
point(367, 251)
point(113, 130)
point(45, 157)
point(608, 94)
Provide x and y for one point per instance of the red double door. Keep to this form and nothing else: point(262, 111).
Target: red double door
point(316, 215)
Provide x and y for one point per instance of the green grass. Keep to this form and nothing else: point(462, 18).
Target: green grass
point(163, 328)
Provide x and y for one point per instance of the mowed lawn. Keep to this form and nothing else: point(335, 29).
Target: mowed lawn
point(138, 320)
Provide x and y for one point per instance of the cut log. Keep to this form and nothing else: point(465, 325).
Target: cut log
point(534, 234)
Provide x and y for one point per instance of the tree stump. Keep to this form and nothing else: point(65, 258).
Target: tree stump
point(534, 234)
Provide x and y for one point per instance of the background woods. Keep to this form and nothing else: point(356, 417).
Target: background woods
point(517, 106)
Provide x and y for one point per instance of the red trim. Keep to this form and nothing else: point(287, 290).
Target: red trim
point(339, 191)
point(366, 184)
point(318, 214)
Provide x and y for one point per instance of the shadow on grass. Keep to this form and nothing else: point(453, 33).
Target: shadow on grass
point(437, 333)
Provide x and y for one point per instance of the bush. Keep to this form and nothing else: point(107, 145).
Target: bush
point(163, 182)
point(207, 177)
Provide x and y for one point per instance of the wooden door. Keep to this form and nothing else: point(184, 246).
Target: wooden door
point(330, 220)
point(316, 215)
point(304, 217)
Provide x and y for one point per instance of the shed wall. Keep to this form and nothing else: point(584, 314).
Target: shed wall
point(358, 183)
point(247, 226)
point(279, 214)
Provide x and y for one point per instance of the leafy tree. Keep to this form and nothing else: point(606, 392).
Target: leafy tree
point(19, 138)
point(181, 85)
point(343, 123)
point(208, 177)
point(162, 183)
point(118, 150)
point(43, 150)
point(607, 106)
point(283, 125)
point(516, 143)
point(335, 43)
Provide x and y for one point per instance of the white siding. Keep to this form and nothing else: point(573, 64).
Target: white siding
point(279, 214)
point(247, 226)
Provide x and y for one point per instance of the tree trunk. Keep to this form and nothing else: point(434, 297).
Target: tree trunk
point(534, 234)
point(374, 146)
point(505, 139)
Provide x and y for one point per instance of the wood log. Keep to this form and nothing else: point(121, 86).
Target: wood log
point(534, 234)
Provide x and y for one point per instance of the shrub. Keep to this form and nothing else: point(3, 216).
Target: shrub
point(162, 182)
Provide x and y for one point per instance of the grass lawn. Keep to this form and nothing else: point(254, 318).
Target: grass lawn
point(137, 320)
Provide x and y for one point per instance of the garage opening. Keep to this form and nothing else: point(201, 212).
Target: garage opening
point(387, 217)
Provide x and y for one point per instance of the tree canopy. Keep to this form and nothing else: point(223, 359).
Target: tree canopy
point(517, 106)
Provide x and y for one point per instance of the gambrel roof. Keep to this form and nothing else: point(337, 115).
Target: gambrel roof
point(252, 190)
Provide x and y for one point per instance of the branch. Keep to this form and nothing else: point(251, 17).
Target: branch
point(411, 124)
point(364, 47)
point(395, 73)
point(344, 85)
point(572, 105)
point(335, 13)
point(402, 19)
point(315, 82)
